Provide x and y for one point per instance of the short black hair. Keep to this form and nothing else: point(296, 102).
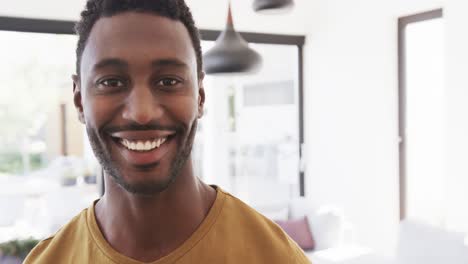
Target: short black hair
point(173, 9)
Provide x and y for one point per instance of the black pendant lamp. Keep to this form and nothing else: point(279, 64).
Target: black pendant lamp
point(231, 53)
point(272, 5)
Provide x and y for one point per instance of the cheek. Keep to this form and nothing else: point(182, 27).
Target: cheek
point(99, 111)
point(185, 109)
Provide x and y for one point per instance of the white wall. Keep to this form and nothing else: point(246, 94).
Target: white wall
point(208, 14)
point(457, 101)
point(50, 9)
point(351, 113)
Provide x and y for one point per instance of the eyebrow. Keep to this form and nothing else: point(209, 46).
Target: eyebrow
point(168, 62)
point(119, 63)
point(111, 62)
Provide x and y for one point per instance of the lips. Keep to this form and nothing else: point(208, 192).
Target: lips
point(143, 147)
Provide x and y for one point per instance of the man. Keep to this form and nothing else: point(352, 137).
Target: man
point(139, 91)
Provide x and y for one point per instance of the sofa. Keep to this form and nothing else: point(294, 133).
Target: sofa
point(418, 243)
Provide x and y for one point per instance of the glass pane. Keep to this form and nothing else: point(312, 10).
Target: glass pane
point(44, 177)
point(249, 137)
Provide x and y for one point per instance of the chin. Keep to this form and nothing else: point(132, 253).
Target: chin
point(144, 186)
point(147, 188)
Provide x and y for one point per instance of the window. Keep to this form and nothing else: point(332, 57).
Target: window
point(249, 137)
point(46, 173)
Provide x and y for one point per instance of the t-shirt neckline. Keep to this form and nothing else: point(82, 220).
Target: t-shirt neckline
point(201, 231)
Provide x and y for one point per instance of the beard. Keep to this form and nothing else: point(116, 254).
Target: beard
point(149, 187)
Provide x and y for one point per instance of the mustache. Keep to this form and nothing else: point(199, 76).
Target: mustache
point(139, 127)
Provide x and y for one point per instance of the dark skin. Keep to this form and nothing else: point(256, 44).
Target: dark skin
point(140, 69)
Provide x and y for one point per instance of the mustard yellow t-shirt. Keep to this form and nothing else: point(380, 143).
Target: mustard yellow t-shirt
point(232, 232)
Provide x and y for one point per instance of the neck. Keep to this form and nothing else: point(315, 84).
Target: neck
point(147, 228)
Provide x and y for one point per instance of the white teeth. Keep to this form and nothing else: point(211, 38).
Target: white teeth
point(147, 145)
point(160, 142)
point(140, 145)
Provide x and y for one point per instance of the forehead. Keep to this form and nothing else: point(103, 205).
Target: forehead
point(138, 38)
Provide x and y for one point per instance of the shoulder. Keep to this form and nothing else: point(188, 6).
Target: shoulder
point(235, 210)
point(61, 243)
point(259, 233)
point(38, 250)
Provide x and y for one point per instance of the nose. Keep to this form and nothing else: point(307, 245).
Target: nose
point(141, 106)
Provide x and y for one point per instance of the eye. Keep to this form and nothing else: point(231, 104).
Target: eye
point(111, 83)
point(168, 82)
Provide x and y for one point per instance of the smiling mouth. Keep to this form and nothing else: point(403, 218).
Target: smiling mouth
point(142, 145)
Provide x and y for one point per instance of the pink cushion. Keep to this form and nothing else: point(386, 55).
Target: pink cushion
point(298, 230)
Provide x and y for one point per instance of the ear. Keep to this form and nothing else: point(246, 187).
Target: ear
point(201, 94)
point(77, 99)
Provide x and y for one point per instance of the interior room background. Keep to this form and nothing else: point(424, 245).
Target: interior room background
point(350, 156)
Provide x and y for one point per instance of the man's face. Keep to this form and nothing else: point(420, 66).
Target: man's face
point(139, 97)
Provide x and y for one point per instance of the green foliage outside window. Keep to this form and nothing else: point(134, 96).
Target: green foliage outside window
point(18, 248)
point(12, 162)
